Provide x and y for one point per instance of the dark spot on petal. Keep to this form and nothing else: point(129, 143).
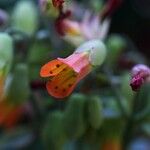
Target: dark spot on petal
point(51, 72)
point(74, 75)
point(64, 90)
point(56, 87)
point(69, 85)
point(64, 69)
point(57, 65)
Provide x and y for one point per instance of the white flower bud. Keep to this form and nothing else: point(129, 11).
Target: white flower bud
point(25, 17)
point(6, 53)
point(96, 49)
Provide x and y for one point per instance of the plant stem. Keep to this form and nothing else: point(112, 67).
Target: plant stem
point(119, 97)
point(39, 113)
point(129, 128)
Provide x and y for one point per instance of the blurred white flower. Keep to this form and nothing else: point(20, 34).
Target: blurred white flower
point(90, 27)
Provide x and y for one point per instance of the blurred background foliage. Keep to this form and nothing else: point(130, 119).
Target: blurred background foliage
point(103, 113)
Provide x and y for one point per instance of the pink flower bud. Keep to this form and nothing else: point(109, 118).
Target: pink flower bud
point(140, 74)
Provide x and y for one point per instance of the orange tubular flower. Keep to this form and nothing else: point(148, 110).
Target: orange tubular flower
point(66, 73)
point(9, 114)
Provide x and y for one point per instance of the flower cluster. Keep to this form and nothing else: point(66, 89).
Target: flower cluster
point(86, 34)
